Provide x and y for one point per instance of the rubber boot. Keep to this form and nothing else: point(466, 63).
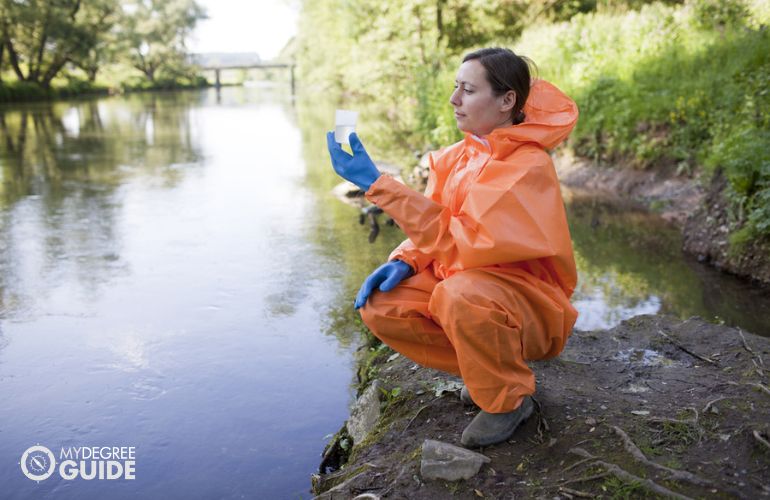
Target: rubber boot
point(465, 397)
point(490, 428)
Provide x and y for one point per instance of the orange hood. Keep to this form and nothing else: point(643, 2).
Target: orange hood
point(550, 117)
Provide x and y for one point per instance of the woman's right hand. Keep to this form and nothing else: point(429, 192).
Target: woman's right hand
point(385, 278)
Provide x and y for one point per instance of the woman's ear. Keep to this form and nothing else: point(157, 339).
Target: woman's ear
point(509, 101)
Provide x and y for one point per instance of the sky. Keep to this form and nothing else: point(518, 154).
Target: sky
point(261, 26)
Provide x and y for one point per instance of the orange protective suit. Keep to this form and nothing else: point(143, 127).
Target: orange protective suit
point(492, 255)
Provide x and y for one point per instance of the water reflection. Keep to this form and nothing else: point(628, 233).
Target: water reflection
point(630, 262)
point(61, 167)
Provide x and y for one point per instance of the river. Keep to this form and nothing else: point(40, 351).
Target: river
point(176, 277)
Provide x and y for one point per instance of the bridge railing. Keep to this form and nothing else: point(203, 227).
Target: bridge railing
point(218, 69)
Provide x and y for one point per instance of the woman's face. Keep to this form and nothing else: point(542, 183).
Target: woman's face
point(477, 109)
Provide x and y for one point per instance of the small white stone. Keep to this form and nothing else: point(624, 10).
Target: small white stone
point(449, 462)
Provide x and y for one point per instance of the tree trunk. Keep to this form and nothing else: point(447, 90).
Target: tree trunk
point(34, 69)
point(2, 53)
point(14, 58)
point(49, 75)
point(440, 18)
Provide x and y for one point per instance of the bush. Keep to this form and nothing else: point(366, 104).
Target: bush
point(710, 14)
point(22, 91)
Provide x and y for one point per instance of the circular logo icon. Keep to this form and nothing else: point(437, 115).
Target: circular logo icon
point(38, 463)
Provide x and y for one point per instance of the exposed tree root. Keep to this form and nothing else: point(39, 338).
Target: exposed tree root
point(587, 478)
point(760, 439)
point(575, 493)
point(576, 464)
point(708, 405)
point(753, 354)
point(418, 412)
point(683, 348)
point(626, 476)
point(757, 385)
point(678, 475)
point(686, 421)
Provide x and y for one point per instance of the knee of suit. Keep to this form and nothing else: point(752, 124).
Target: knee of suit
point(458, 297)
point(371, 316)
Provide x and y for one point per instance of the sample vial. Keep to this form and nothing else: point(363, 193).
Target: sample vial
point(345, 124)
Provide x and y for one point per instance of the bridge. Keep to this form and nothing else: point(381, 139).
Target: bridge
point(219, 62)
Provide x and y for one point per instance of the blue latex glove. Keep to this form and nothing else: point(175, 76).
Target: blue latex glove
point(357, 168)
point(386, 277)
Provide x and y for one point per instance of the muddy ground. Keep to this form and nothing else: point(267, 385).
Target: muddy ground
point(651, 408)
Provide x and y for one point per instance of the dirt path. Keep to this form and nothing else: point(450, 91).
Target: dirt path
point(654, 407)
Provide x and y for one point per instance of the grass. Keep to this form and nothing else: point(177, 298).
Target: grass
point(621, 490)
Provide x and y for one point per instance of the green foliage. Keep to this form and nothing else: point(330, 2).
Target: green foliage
point(675, 85)
point(64, 44)
point(42, 37)
point(709, 14)
point(621, 490)
point(21, 91)
point(403, 55)
point(155, 35)
point(390, 395)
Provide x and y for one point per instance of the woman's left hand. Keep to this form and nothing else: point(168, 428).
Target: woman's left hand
point(357, 168)
point(385, 278)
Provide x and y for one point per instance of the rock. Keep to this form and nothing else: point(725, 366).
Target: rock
point(449, 462)
point(390, 169)
point(365, 413)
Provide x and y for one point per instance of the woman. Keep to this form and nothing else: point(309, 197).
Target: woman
point(482, 284)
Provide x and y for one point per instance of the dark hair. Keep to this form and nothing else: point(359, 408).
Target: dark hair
point(506, 71)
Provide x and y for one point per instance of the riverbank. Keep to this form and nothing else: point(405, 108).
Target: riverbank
point(696, 205)
point(653, 406)
point(17, 92)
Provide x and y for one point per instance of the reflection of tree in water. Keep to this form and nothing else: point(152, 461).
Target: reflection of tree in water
point(734, 300)
point(61, 165)
point(628, 257)
point(632, 259)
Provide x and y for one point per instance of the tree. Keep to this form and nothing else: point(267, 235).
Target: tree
point(156, 33)
point(105, 46)
point(41, 37)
